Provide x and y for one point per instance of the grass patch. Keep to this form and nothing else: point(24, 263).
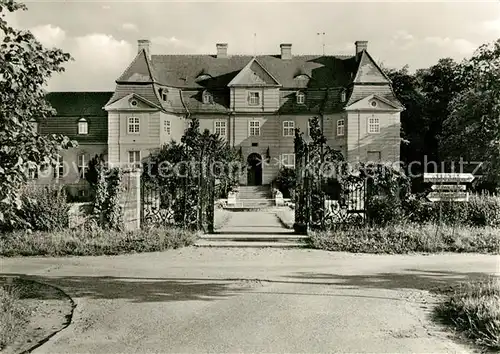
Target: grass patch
point(408, 238)
point(13, 316)
point(474, 310)
point(95, 242)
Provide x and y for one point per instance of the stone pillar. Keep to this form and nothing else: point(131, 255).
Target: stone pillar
point(130, 200)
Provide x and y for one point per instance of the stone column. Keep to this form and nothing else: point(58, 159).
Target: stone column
point(130, 200)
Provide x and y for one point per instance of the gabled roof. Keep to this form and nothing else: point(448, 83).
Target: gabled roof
point(119, 103)
point(389, 104)
point(369, 72)
point(138, 71)
point(146, 91)
point(254, 74)
point(79, 104)
point(183, 70)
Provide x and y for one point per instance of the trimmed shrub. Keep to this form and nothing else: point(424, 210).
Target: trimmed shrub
point(44, 208)
point(92, 241)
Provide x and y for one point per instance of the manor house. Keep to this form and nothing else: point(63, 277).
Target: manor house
point(254, 102)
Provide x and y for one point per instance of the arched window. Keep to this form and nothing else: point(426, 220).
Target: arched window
point(207, 97)
point(301, 97)
point(83, 127)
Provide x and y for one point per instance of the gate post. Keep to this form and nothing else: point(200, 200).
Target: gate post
point(130, 199)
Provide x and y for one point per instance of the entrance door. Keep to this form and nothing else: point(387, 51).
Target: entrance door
point(254, 174)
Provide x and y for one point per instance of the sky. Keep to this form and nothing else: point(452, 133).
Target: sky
point(102, 36)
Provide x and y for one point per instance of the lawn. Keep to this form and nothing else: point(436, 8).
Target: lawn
point(474, 310)
point(95, 242)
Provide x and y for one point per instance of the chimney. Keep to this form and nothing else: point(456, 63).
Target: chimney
point(360, 46)
point(286, 51)
point(144, 44)
point(221, 50)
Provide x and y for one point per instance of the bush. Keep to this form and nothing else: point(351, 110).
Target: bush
point(13, 316)
point(44, 208)
point(285, 182)
point(92, 241)
point(407, 238)
point(474, 309)
point(479, 211)
point(384, 210)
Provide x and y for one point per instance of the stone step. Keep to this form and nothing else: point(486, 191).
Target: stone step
point(289, 237)
point(243, 244)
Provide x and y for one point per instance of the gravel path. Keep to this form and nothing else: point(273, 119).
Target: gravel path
point(253, 300)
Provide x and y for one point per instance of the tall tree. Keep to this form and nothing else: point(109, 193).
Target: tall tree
point(414, 122)
point(25, 67)
point(472, 130)
point(439, 84)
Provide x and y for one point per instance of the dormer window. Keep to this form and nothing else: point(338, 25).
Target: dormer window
point(301, 97)
point(163, 92)
point(83, 127)
point(203, 77)
point(343, 96)
point(207, 97)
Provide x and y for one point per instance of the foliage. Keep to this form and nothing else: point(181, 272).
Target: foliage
point(474, 309)
point(94, 166)
point(408, 238)
point(186, 174)
point(13, 316)
point(92, 242)
point(475, 114)
point(315, 162)
point(107, 211)
point(479, 211)
point(44, 208)
point(25, 66)
point(285, 182)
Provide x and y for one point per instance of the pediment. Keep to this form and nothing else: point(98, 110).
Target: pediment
point(132, 102)
point(374, 103)
point(369, 72)
point(254, 74)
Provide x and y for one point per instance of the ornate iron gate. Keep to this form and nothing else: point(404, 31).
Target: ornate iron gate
point(314, 210)
point(186, 201)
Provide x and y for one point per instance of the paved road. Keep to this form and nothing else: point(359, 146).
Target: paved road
point(196, 300)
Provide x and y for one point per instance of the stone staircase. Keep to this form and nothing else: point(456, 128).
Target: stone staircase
point(259, 228)
point(254, 197)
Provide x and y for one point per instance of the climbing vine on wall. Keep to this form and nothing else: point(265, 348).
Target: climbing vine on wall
point(107, 211)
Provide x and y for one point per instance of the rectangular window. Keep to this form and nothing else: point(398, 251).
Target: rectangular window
point(167, 127)
point(133, 125)
point(220, 128)
point(340, 127)
point(254, 98)
point(373, 125)
point(288, 160)
point(83, 127)
point(134, 158)
point(288, 128)
point(82, 166)
point(58, 169)
point(254, 128)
